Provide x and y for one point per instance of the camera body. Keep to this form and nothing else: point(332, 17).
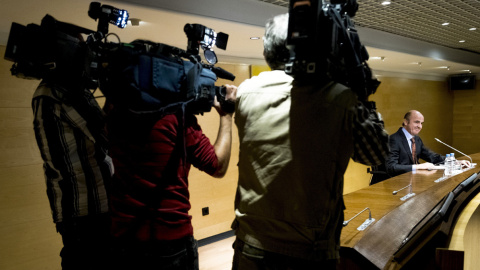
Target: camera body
point(45, 51)
point(154, 78)
point(56, 49)
point(199, 35)
point(324, 43)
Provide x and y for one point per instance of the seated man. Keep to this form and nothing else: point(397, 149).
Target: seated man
point(401, 158)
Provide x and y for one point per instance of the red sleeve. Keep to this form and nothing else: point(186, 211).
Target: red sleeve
point(200, 152)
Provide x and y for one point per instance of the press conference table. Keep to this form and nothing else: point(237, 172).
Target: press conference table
point(407, 221)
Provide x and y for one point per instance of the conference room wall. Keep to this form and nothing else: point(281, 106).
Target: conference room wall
point(466, 120)
point(28, 239)
point(397, 95)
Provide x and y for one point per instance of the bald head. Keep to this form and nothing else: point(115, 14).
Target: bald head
point(413, 122)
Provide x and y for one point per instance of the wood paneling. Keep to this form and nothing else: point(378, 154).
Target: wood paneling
point(28, 239)
point(466, 120)
point(396, 96)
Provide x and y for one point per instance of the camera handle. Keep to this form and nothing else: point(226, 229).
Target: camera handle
point(228, 106)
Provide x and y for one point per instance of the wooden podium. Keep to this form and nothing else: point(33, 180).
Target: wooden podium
point(420, 215)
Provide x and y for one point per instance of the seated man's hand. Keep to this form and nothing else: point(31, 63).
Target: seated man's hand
point(425, 166)
point(465, 163)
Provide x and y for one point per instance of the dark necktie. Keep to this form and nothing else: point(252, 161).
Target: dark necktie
point(414, 148)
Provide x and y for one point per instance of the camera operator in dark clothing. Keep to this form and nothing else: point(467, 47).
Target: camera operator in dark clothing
point(150, 198)
point(296, 139)
point(70, 131)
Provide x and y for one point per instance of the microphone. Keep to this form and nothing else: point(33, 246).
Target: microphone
point(365, 224)
point(396, 191)
point(471, 162)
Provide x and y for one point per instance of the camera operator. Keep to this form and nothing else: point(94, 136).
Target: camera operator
point(69, 127)
point(296, 139)
point(150, 200)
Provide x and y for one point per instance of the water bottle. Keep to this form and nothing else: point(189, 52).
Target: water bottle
point(447, 165)
point(454, 164)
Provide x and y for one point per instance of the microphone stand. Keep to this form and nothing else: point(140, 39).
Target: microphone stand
point(365, 224)
point(396, 191)
point(471, 161)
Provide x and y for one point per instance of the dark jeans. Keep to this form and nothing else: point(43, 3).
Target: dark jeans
point(85, 242)
point(179, 254)
point(247, 257)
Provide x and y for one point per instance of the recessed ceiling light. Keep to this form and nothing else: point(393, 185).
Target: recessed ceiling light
point(473, 29)
point(445, 23)
point(135, 21)
point(461, 41)
point(386, 3)
point(254, 38)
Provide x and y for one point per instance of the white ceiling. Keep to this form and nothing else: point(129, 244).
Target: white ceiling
point(163, 22)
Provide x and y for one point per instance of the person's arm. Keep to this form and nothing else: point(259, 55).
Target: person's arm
point(428, 155)
point(223, 143)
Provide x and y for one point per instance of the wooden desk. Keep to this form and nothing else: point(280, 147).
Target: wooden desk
point(402, 228)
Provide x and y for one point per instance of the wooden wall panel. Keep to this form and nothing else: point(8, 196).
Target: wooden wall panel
point(466, 120)
point(28, 239)
point(396, 96)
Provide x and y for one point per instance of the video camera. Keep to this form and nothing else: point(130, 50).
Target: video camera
point(56, 51)
point(323, 42)
point(53, 48)
point(145, 77)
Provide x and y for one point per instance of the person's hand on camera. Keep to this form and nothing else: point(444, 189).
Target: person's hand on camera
point(230, 95)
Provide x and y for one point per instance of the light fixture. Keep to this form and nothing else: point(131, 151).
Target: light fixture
point(254, 38)
point(445, 23)
point(386, 3)
point(473, 29)
point(461, 41)
point(135, 21)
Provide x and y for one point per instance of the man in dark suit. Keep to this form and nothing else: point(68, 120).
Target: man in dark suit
point(401, 158)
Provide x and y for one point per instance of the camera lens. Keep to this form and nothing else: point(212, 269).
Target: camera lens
point(210, 56)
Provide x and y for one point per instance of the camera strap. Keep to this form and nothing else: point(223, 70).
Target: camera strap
point(354, 55)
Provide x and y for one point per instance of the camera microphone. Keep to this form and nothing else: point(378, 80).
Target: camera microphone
point(222, 73)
